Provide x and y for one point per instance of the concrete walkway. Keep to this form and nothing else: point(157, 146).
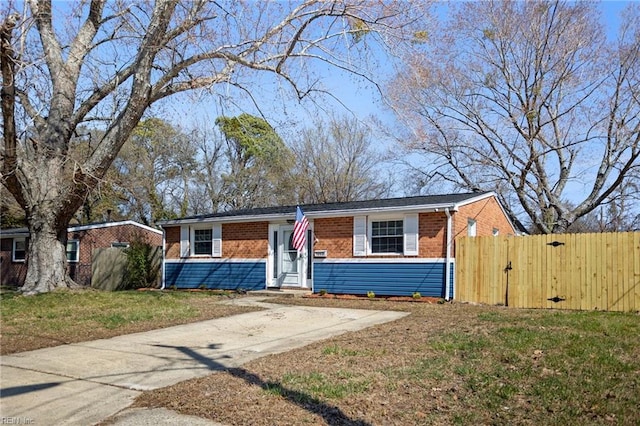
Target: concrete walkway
point(85, 383)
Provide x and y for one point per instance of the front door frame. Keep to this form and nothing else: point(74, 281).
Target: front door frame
point(275, 253)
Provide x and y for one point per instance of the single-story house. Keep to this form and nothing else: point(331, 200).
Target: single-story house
point(395, 246)
point(82, 241)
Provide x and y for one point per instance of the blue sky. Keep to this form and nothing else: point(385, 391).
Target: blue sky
point(349, 94)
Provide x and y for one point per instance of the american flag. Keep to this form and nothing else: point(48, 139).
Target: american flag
point(300, 230)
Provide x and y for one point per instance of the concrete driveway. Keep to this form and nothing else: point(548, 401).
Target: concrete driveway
point(84, 383)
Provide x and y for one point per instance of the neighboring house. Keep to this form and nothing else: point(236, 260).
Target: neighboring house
point(82, 240)
point(391, 247)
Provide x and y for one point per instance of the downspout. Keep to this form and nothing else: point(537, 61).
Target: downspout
point(447, 267)
point(162, 286)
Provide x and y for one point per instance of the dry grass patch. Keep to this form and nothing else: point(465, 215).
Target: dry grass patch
point(443, 364)
point(62, 317)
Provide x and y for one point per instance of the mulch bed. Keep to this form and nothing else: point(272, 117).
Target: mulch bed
point(421, 299)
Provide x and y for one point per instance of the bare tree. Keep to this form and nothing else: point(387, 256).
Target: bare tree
point(336, 161)
point(206, 193)
point(107, 62)
point(529, 99)
point(152, 171)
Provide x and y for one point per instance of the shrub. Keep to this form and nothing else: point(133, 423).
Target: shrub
point(142, 267)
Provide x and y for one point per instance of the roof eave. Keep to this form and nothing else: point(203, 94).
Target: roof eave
point(475, 199)
point(320, 214)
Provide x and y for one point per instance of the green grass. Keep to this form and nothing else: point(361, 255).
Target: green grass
point(567, 363)
point(499, 366)
point(29, 322)
point(58, 310)
point(338, 385)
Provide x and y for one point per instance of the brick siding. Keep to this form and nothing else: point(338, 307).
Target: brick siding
point(245, 240)
point(239, 241)
point(95, 238)
point(14, 273)
point(335, 234)
point(172, 242)
point(488, 216)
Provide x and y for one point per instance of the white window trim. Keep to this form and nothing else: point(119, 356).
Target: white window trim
point(472, 227)
point(13, 250)
point(370, 233)
point(77, 243)
point(362, 234)
point(216, 240)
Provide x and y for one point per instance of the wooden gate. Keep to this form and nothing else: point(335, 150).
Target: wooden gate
point(567, 271)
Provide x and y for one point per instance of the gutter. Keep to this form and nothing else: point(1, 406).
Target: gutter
point(447, 270)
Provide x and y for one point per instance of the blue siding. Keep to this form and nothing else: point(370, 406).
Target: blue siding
point(384, 279)
point(225, 275)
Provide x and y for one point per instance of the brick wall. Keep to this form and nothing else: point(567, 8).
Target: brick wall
point(14, 273)
point(91, 239)
point(103, 237)
point(432, 231)
point(172, 242)
point(334, 235)
point(245, 240)
point(488, 216)
point(239, 240)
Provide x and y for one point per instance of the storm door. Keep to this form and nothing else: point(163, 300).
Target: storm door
point(288, 265)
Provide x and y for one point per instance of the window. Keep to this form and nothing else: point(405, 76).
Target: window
point(19, 249)
point(72, 251)
point(471, 228)
point(202, 241)
point(387, 236)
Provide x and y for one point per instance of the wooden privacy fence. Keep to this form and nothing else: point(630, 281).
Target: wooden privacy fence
point(109, 266)
point(566, 271)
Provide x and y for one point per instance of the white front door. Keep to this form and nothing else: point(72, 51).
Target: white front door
point(289, 265)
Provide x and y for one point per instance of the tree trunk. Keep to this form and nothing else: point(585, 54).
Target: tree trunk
point(47, 260)
point(48, 211)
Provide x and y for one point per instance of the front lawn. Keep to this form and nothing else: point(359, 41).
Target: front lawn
point(443, 364)
point(60, 317)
